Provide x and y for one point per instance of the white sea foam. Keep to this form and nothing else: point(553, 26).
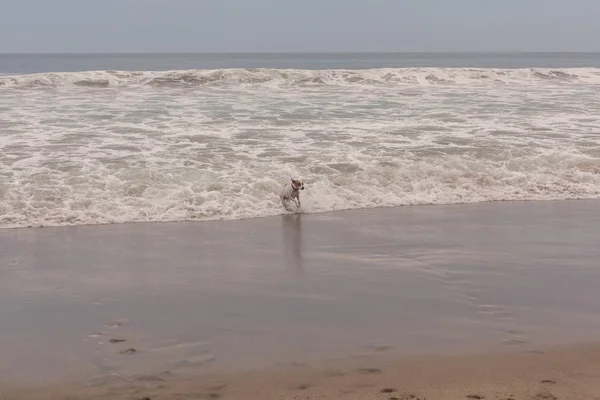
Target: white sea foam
point(297, 77)
point(193, 145)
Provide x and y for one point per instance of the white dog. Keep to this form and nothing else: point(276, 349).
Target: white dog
point(291, 192)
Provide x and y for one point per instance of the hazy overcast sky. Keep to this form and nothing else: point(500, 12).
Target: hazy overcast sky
point(298, 25)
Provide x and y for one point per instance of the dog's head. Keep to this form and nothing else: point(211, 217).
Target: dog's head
point(297, 185)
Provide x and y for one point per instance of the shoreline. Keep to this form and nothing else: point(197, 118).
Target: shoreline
point(317, 213)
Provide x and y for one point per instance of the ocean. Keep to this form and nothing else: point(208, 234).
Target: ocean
point(115, 138)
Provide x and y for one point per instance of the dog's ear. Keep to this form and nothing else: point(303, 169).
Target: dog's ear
point(292, 179)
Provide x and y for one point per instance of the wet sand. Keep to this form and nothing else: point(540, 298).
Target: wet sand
point(565, 373)
point(437, 299)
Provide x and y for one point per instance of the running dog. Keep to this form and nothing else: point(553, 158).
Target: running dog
point(291, 192)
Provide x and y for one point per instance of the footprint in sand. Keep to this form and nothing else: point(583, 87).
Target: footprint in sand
point(368, 371)
point(209, 396)
point(379, 348)
point(111, 325)
point(117, 323)
point(302, 386)
point(406, 397)
point(545, 396)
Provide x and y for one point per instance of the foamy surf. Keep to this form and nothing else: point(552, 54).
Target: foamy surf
point(188, 193)
point(299, 77)
point(112, 147)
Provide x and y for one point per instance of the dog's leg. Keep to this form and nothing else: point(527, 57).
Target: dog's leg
point(284, 203)
point(297, 201)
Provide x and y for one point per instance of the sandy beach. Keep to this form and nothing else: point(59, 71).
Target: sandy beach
point(493, 300)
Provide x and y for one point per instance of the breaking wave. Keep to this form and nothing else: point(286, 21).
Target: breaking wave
point(297, 77)
point(137, 195)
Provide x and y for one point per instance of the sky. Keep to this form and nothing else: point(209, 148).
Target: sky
point(88, 26)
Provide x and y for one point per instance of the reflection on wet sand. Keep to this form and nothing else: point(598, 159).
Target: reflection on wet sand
point(292, 242)
point(154, 298)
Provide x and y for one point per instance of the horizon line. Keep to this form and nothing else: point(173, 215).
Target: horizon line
point(303, 52)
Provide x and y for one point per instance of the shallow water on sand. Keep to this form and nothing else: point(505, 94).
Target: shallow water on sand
point(227, 295)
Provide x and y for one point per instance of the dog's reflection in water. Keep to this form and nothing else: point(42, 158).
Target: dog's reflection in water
point(292, 242)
